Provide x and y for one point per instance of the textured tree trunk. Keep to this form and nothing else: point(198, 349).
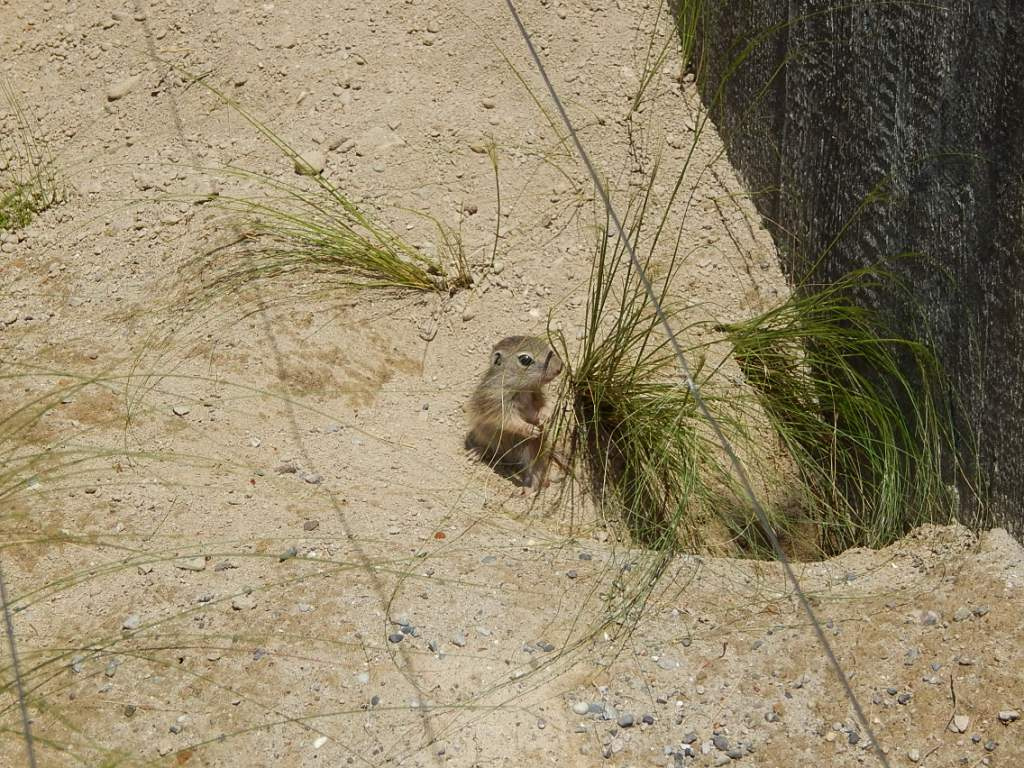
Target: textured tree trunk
point(891, 135)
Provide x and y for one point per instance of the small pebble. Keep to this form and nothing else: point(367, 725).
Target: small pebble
point(311, 525)
point(122, 88)
point(131, 622)
point(319, 742)
point(1009, 715)
point(192, 564)
point(310, 163)
point(180, 410)
point(581, 707)
point(626, 720)
point(459, 639)
point(243, 603)
point(396, 637)
point(959, 724)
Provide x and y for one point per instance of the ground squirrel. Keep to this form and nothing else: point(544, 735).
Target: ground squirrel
point(508, 408)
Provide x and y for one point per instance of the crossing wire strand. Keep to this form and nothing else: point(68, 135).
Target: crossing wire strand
point(691, 384)
point(26, 722)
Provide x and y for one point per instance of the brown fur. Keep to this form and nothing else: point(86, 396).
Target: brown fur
point(508, 408)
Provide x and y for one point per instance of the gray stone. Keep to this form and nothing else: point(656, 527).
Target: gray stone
point(1009, 715)
point(191, 564)
point(132, 621)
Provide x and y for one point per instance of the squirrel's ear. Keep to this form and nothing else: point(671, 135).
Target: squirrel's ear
point(497, 358)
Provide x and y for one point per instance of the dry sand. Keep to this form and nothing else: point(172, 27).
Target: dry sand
point(284, 483)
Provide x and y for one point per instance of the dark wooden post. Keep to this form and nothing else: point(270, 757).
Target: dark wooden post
point(901, 126)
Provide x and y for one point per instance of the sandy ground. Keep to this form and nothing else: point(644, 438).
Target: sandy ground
point(273, 489)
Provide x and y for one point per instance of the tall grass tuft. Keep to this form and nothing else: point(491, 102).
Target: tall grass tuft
point(631, 430)
point(847, 468)
point(837, 389)
point(29, 183)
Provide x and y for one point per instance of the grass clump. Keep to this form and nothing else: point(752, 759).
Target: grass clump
point(632, 429)
point(319, 232)
point(848, 468)
point(313, 228)
point(860, 413)
point(29, 183)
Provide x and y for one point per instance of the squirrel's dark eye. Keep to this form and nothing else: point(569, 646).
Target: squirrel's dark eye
point(525, 360)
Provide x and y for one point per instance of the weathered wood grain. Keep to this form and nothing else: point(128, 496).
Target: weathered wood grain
point(899, 129)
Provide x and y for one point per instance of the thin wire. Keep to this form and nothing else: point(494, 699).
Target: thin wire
point(26, 724)
point(698, 399)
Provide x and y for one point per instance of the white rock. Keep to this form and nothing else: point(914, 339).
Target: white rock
point(192, 564)
point(122, 88)
point(310, 163)
point(243, 603)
